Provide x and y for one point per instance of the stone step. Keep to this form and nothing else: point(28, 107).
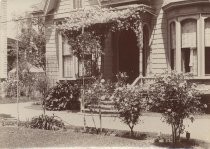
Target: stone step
point(102, 111)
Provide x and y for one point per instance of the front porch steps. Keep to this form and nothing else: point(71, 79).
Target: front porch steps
point(107, 107)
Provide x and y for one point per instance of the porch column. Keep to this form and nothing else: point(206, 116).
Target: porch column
point(199, 48)
point(178, 46)
point(140, 45)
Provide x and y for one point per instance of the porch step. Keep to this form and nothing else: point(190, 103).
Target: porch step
point(107, 107)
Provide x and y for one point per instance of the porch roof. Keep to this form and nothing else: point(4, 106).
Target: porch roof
point(91, 16)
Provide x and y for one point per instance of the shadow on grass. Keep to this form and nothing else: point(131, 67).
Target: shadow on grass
point(184, 143)
point(2, 115)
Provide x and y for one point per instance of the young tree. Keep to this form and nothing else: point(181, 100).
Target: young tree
point(176, 98)
point(98, 91)
point(130, 103)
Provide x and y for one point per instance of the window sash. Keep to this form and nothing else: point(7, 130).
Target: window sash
point(68, 66)
point(77, 4)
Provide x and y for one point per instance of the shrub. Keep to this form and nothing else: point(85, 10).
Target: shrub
point(177, 99)
point(46, 122)
point(130, 102)
point(63, 96)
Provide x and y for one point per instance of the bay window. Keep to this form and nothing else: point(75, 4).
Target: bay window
point(172, 44)
point(207, 46)
point(189, 46)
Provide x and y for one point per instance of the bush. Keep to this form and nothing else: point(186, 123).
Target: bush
point(10, 88)
point(130, 103)
point(46, 122)
point(177, 99)
point(63, 96)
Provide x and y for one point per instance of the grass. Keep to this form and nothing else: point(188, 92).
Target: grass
point(12, 137)
point(22, 99)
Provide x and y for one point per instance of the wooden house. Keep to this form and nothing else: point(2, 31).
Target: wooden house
point(176, 36)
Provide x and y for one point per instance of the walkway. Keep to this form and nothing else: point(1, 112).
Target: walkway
point(200, 129)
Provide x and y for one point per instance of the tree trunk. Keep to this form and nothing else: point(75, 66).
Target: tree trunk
point(131, 132)
point(100, 118)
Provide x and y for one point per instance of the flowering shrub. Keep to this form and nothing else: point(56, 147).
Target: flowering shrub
point(46, 122)
point(63, 96)
point(97, 91)
point(177, 99)
point(130, 102)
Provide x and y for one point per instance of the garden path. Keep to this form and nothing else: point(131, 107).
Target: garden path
point(150, 122)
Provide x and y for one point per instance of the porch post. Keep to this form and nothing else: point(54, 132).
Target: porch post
point(140, 45)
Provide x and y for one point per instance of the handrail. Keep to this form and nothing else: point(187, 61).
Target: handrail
point(142, 80)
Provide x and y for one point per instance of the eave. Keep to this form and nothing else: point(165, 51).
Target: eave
point(177, 4)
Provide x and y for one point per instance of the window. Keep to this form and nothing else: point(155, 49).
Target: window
point(87, 66)
point(189, 58)
point(172, 44)
point(207, 47)
point(77, 4)
point(68, 64)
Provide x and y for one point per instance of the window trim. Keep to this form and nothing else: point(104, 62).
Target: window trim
point(61, 62)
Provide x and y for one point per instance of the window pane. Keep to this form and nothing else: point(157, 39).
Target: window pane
point(67, 66)
point(207, 46)
point(77, 4)
point(189, 29)
point(172, 44)
point(189, 60)
point(87, 66)
point(207, 60)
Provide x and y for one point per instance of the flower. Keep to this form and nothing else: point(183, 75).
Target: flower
point(169, 110)
point(103, 97)
point(89, 91)
point(205, 106)
point(102, 80)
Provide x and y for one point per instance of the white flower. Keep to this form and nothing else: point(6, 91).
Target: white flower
point(103, 97)
point(120, 88)
point(102, 80)
point(205, 106)
point(169, 110)
point(89, 91)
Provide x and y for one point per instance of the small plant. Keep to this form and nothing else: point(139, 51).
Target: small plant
point(176, 98)
point(46, 122)
point(63, 96)
point(130, 103)
point(96, 92)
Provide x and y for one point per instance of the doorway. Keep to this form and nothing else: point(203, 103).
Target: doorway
point(128, 58)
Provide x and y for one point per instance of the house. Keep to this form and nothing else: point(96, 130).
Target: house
point(176, 36)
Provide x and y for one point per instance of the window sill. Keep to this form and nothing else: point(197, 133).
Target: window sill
point(67, 78)
point(200, 78)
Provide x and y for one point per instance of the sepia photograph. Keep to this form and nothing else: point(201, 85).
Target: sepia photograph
point(105, 74)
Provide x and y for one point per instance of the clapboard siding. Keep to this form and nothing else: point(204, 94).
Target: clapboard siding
point(52, 68)
point(159, 39)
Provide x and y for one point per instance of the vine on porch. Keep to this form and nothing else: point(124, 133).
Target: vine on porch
point(99, 21)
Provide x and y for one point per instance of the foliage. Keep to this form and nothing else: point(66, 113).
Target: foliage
point(10, 87)
point(122, 78)
point(63, 96)
point(46, 122)
point(42, 85)
point(128, 18)
point(31, 42)
point(177, 99)
point(97, 91)
point(100, 90)
point(130, 102)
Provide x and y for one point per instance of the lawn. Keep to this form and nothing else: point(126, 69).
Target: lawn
point(22, 99)
point(12, 137)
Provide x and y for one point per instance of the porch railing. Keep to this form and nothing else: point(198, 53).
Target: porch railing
point(143, 80)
